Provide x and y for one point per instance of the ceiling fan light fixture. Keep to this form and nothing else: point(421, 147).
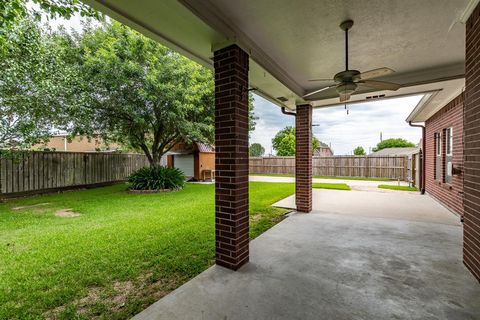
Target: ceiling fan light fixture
point(346, 88)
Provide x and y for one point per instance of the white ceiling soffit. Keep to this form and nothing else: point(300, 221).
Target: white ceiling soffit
point(439, 96)
point(290, 42)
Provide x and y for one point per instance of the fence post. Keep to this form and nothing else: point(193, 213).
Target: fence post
point(367, 167)
point(335, 167)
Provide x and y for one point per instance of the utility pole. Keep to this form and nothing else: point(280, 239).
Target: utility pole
point(381, 136)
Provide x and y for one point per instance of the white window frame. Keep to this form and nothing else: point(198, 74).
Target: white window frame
point(449, 141)
point(438, 144)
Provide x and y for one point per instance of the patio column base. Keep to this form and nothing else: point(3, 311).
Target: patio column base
point(231, 157)
point(303, 158)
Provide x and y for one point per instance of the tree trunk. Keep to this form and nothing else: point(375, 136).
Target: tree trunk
point(156, 159)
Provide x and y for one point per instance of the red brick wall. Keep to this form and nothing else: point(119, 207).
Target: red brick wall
point(471, 230)
point(451, 115)
point(303, 158)
point(231, 158)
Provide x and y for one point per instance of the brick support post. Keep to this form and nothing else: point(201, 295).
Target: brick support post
point(471, 228)
point(303, 158)
point(231, 157)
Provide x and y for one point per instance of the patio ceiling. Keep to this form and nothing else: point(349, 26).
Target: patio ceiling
point(290, 42)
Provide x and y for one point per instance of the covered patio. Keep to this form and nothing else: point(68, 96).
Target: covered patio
point(337, 265)
point(403, 262)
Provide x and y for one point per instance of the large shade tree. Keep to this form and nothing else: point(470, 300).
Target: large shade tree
point(256, 150)
point(35, 85)
point(139, 93)
point(359, 151)
point(110, 81)
point(35, 78)
point(284, 142)
point(393, 143)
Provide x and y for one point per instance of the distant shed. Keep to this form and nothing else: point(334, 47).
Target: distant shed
point(196, 160)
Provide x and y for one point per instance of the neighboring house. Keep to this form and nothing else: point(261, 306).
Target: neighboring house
point(196, 160)
point(61, 142)
point(444, 151)
point(323, 150)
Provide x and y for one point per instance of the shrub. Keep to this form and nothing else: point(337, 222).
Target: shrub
point(156, 178)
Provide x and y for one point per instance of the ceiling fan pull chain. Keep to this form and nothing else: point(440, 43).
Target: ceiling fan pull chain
point(346, 49)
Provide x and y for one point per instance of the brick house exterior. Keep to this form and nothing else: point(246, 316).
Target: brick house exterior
point(62, 142)
point(323, 150)
point(449, 193)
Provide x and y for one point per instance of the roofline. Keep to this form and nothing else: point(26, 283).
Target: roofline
point(427, 97)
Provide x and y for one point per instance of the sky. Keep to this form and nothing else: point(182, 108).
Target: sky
point(361, 127)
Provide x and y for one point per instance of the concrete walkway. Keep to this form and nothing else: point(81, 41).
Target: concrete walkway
point(352, 183)
point(353, 264)
point(401, 205)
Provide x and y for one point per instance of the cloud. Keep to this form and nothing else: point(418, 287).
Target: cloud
point(362, 126)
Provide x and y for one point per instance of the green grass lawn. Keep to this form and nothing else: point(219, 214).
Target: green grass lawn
point(121, 254)
point(320, 177)
point(334, 186)
point(400, 188)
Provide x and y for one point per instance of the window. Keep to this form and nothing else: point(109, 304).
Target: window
point(438, 144)
point(438, 156)
point(448, 155)
point(449, 141)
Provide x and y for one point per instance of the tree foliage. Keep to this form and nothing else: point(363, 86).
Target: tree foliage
point(284, 142)
point(139, 93)
point(393, 143)
point(12, 11)
point(256, 150)
point(109, 81)
point(35, 85)
point(359, 151)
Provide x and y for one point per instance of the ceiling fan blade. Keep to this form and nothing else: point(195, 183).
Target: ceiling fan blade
point(344, 97)
point(321, 80)
point(380, 85)
point(319, 90)
point(375, 73)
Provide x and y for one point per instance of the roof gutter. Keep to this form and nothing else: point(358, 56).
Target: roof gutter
point(284, 111)
point(422, 156)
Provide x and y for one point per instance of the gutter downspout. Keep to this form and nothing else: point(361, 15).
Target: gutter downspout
point(284, 111)
point(422, 156)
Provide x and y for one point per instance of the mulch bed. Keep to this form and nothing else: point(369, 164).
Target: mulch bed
point(151, 191)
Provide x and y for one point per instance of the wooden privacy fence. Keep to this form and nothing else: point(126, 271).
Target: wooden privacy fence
point(394, 167)
point(35, 172)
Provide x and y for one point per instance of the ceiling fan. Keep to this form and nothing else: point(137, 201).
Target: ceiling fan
point(348, 81)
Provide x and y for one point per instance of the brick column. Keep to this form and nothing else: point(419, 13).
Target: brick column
point(471, 227)
point(231, 157)
point(303, 158)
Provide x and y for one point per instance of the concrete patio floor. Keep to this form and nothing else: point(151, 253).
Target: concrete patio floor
point(359, 255)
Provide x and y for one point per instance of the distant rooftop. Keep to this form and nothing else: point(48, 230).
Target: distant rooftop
point(395, 152)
